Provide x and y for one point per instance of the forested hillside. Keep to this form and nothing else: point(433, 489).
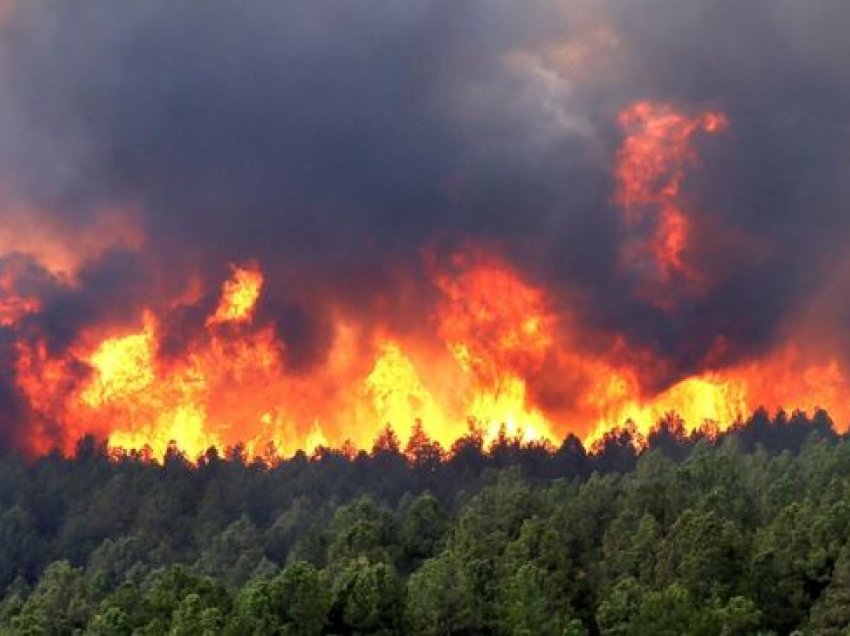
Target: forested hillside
point(738, 533)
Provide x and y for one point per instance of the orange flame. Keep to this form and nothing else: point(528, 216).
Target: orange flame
point(238, 296)
point(498, 351)
point(496, 335)
point(14, 305)
point(650, 168)
point(234, 386)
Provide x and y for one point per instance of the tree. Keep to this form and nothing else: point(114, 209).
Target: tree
point(117, 559)
point(18, 545)
point(110, 621)
point(61, 602)
point(363, 529)
point(233, 555)
point(788, 569)
point(618, 607)
point(368, 598)
point(831, 614)
point(617, 451)
point(424, 454)
point(304, 592)
point(168, 599)
point(702, 553)
point(737, 617)
point(194, 617)
point(291, 525)
point(440, 598)
point(387, 442)
point(631, 547)
point(668, 612)
point(424, 524)
point(295, 602)
point(525, 605)
point(733, 533)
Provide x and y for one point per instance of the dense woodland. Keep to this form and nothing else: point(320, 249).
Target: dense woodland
point(739, 533)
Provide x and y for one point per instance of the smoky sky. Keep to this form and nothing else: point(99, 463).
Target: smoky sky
point(333, 141)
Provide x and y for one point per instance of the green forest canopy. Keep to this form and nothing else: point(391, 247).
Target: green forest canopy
point(743, 532)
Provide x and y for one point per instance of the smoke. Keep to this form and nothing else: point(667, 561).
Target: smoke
point(336, 143)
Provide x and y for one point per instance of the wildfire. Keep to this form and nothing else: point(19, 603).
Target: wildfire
point(495, 334)
point(496, 351)
point(650, 168)
point(234, 386)
point(62, 248)
point(14, 305)
point(239, 295)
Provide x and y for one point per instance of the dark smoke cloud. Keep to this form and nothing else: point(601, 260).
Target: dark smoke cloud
point(114, 289)
point(333, 141)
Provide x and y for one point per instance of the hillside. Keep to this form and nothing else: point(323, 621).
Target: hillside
point(737, 533)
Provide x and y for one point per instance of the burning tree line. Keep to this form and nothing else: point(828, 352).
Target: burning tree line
point(686, 532)
point(465, 330)
point(421, 452)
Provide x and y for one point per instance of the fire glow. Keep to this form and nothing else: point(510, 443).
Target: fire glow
point(495, 345)
point(234, 387)
point(650, 168)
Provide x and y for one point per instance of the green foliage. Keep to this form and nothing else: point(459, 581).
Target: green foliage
point(633, 610)
point(368, 598)
point(744, 534)
point(175, 597)
point(116, 560)
point(525, 604)
point(303, 593)
point(441, 597)
point(111, 621)
point(234, 554)
point(297, 601)
point(424, 525)
point(703, 553)
point(831, 614)
point(362, 529)
point(618, 607)
point(17, 544)
point(194, 617)
point(60, 604)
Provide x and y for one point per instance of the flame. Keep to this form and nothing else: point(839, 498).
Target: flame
point(397, 392)
point(233, 385)
point(649, 171)
point(497, 351)
point(13, 304)
point(496, 337)
point(238, 296)
point(34, 244)
point(491, 320)
point(499, 330)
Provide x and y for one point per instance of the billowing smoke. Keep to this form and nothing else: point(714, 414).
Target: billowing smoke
point(371, 159)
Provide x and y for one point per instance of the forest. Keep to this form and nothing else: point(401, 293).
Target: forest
point(740, 532)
